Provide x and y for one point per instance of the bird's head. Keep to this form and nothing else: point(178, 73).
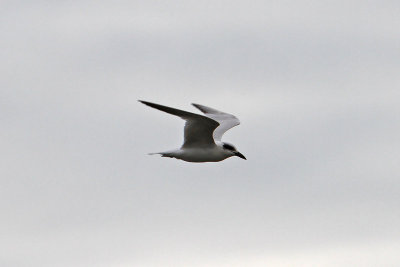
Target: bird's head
point(229, 148)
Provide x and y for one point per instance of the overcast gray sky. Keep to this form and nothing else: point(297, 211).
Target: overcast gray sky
point(315, 84)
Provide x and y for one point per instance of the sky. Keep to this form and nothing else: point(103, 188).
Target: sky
point(314, 83)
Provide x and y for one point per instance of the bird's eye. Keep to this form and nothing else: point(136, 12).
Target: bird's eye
point(228, 146)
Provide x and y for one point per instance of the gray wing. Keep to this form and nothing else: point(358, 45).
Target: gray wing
point(198, 128)
point(226, 121)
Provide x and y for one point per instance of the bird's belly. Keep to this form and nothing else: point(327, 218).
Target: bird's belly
point(201, 155)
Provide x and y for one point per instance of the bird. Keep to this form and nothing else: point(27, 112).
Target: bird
point(202, 134)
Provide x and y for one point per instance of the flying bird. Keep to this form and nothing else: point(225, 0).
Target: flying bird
point(202, 134)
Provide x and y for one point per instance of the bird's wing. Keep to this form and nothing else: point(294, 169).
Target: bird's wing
point(226, 121)
point(198, 128)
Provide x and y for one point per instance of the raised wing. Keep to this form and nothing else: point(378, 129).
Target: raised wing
point(226, 121)
point(198, 130)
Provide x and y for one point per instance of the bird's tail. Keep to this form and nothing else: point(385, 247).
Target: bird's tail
point(163, 154)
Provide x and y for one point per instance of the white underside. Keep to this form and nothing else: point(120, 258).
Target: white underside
point(212, 154)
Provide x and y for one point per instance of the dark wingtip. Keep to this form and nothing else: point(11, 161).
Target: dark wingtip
point(146, 103)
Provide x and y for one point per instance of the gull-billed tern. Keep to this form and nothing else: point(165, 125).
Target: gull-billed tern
point(202, 134)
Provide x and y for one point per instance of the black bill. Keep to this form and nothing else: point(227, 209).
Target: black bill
point(240, 155)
